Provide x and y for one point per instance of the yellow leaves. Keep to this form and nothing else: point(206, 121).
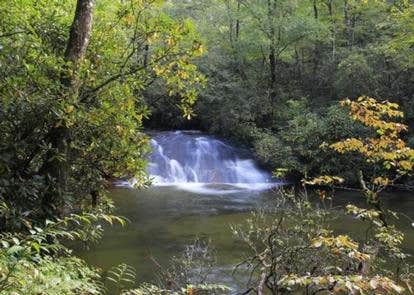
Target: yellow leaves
point(339, 242)
point(350, 284)
point(187, 112)
point(364, 214)
point(340, 245)
point(198, 49)
point(368, 105)
point(159, 71)
point(345, 102)
point(174, 45)
point(69, 109)
point(129, 19)
point(372, 114)
point(171, 41)
point(153, 37)
point(390, 237)
point(324, 180)
point(119, 129)
point(183, 75)
point(406, 165)
point(382, 181)
point(349, 145)
point(182, 80)
point(386, 148)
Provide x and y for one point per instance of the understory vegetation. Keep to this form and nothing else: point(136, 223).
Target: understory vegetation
point(293, 245)
point(81, 81)
point(276, 70)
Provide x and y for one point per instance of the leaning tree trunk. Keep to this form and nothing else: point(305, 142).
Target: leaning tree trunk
point(78, 42)
point(80, 31)
point(59, 137)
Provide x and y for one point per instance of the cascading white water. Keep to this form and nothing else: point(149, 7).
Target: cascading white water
point(196, 162)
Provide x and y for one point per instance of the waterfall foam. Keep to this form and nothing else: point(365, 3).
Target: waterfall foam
point(200, 163)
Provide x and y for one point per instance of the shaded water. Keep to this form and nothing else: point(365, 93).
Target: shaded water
point(163, 220)
point(167, 217)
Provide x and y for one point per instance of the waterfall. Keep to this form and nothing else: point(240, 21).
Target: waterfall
point(194, 161)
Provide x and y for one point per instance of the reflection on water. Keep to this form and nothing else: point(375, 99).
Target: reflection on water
point(202, 186)
point(165, 219)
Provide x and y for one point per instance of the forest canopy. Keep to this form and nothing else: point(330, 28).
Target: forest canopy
point(277, 68)
point(83, 83)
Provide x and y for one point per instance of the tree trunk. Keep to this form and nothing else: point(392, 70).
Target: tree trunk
point(347, 23)
point(80, 31)
point(272, 62)
point(238, 20)
point(316, 54)
point(78, 42)
point(333, 28)
point(315, 9)
point(271, 9)
point(59, 137)
point(262, 283)
point(146, 54)
point(229, 13)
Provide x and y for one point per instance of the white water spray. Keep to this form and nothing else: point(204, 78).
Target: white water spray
point(203, 164)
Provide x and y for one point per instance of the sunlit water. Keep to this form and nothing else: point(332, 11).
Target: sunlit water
point(186, 203)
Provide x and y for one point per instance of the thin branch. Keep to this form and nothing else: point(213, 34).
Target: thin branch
point(120, 75)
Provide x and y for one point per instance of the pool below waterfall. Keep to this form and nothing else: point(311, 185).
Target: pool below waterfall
point(202, 186)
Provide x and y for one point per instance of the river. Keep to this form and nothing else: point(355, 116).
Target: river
point(201, 186)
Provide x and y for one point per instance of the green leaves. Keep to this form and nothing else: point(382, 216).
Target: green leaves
point(122, 276)
point(133, 43)
point(40, 262)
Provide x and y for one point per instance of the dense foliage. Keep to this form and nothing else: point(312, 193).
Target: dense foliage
point(40, 263)
point(72, 79)
point(93, 126)
point(79, 80)
point(294, 247)
point(277, 67)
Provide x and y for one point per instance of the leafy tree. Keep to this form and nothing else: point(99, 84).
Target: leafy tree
point(322, 50)
point(72, 111)
point(293, 248)
point(40, 263)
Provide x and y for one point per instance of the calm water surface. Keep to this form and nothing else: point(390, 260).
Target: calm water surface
point(163, 220)
point(185, 205)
